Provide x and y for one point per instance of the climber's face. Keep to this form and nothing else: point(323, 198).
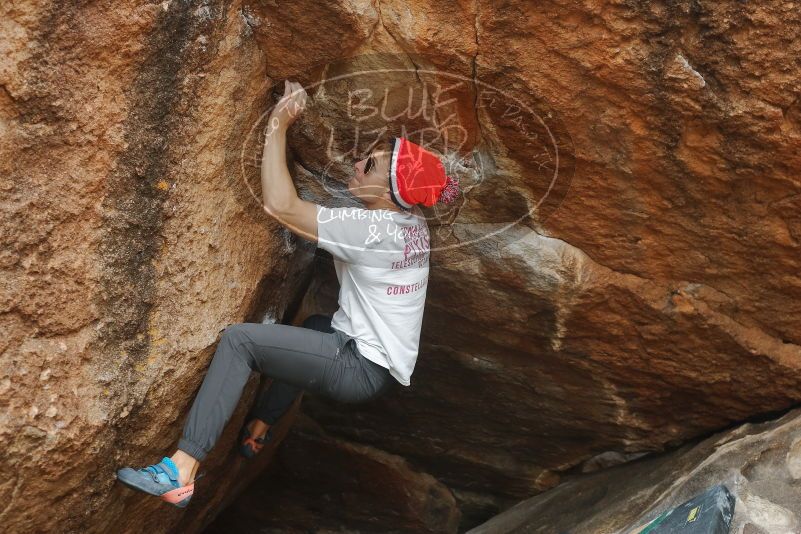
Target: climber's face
point(370, 180)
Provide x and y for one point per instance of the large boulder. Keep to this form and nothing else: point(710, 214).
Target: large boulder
point(130, 243)
point(759, 464)
point(652, 301)
point(619, 277)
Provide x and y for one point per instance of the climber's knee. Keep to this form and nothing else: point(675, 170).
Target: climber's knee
point(234, 332)
point(234, 338)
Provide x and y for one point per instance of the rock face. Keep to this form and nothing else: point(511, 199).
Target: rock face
point(130, 242)
point(757, 463)
point(620, 276)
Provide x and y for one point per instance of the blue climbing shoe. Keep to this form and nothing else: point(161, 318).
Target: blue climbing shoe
point(160, 480)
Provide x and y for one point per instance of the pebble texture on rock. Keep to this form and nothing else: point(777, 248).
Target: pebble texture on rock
point(130, 243)
point(651, 296)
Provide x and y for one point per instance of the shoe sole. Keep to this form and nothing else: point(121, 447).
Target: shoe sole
point(177, 497)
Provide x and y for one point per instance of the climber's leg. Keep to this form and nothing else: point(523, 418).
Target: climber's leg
point(318, 362)
point(299, 356)
point(274, 401)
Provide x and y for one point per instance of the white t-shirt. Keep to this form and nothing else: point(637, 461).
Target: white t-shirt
point(381, 258)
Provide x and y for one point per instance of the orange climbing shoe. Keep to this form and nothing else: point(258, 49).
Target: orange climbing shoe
point(250, 446)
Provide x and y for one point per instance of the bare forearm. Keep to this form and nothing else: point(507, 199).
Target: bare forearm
point(277, 189)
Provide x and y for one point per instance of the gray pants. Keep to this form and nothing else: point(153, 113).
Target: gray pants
point(314, 358)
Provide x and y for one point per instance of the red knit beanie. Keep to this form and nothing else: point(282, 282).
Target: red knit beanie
point(416, 176)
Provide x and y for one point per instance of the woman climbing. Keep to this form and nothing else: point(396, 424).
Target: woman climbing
point(381, 254)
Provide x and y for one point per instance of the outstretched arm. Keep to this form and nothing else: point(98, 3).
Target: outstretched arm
point(279, 196)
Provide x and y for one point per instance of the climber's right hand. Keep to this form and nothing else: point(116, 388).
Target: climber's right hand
point(290, 106)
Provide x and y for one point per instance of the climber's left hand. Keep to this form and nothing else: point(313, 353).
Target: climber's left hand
point(290, 106)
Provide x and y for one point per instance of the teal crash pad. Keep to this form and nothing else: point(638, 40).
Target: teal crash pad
point(708, 513)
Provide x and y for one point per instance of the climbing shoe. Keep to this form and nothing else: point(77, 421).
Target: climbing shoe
point(160, 480)
point(250, 446)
